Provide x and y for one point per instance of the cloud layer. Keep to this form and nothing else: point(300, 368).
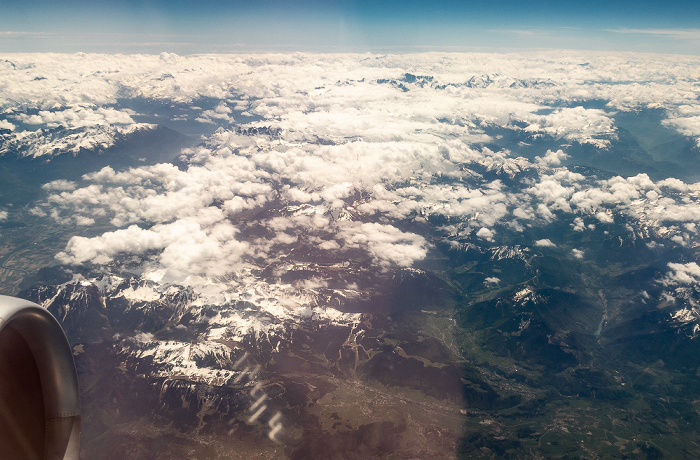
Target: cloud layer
point(362, 158)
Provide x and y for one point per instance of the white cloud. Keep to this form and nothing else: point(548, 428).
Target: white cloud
point(678, 239)
point(545, 243)
point(183, 247)
point(385, 243)
point(59, 185)
point(592, 126)
point(143, 337)
point(577, 253)
point(486, 234)
point(552, 158)
point(674, 184)
point(553, 194)
point(4, 124)
point(682, 34)
point(688, 273)
point(221, 113)
point(84, 221)
point(605, 218)
point(357, 162)
point(578, 225)
point(688, 125)
point(78, 117)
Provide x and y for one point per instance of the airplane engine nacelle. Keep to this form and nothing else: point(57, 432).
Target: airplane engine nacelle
point(39, 396)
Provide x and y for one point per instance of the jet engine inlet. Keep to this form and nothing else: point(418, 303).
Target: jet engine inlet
point(39, 396)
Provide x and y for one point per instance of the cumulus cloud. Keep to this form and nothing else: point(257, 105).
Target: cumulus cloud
point(4, 124)
point(221, 113)
point(592, 126)
point(578, 225)
point(347, 155)
point(552, 158)
point(577, 253)
point(688, 273)
point(486, 234)
point(183, 247)
point(387, 244)
point(78, 117)
point(143, 337)
point(686, 119)
point(674, 184)
point(59, 185)
point(553, 194)
point(605, 217)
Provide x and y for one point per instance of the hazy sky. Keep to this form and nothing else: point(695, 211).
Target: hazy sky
point(284, 25)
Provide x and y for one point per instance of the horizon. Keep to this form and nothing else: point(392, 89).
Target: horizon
point(215, 27)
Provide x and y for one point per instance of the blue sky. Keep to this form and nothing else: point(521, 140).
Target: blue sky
point(279, 25)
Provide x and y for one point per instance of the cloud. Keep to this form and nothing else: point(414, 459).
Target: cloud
point(84, 221)
point(617, 191)
point(59, 185)
point(78, 117)
point(4, 124)
point(336, 96)
point(680, 34)
point(385, 243)
point(183, 248)
point(674, 184)
point(486, 234)
point(162, 192)
point(552, 193)
point(592, 126)
point(688, 273)
point(221, 113)
point(688, 126)
point(348, 156)
point(541, 33)
point(12, 33)
point(577, 253)
point(605, 218)
point(552, 158)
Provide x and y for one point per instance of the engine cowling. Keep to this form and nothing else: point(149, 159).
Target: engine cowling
point(39, 395)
